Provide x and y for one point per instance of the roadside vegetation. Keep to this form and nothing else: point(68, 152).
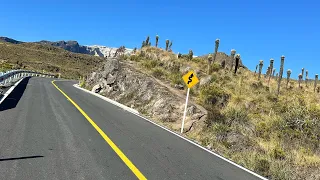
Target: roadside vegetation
point(262, 122)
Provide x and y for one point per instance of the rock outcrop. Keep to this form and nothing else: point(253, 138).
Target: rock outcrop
point(139, 91)
point(73, 46)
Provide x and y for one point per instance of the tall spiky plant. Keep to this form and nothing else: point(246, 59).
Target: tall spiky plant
point(147, 40)
point(134, 50)
point(167, 44)
point(267, 72)
point(300, 79)
point(307, 78)
point(255, 72)
point(209, 63)
point(237, 63)
point(233, 53)
point(157, 40)
point(216, 47)
point(190, 55)
point(260, 68)
point(302, 72)
point(280, 73)
point(170, 45)
point(143, 44)
point(273, 72)
point(288, 77)
point(315, 82)
point(270, 70)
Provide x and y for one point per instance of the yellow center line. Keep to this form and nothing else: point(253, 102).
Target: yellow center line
point(123, 157)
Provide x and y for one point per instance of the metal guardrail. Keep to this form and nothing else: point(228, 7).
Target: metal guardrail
point(13, 75)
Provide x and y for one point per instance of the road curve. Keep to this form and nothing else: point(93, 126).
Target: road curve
point(44, 136)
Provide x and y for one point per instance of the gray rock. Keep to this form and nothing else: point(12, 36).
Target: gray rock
point(111, 78)
point(179, 86)
point(191, 110)
point(130, 87)
point(96, 88)
point(205, 80)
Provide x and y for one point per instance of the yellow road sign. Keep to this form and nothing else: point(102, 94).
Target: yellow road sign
point(190, 79)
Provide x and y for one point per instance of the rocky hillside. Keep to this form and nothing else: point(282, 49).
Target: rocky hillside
point(142, 92)
point(236, 115)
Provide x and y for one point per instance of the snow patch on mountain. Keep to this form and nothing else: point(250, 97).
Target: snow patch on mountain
point(103, 51)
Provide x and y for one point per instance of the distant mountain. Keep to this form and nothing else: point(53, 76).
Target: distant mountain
point(74, 46)
point(96, 50)
point(9, 40)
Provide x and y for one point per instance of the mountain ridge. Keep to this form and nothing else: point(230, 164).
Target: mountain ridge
point(75, 47)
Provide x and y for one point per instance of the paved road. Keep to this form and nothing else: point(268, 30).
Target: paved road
point(43, 136)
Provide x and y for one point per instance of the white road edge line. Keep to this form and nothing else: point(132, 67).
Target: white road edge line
point(10, 90)
point(190, 141)
point(109, 100)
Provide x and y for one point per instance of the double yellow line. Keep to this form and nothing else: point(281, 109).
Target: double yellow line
point(123, 157)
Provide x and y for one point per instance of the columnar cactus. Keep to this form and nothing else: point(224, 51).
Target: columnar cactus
point(157, 40)
point(237, 63)
point(307, 78)
point(143, 44)
point(280, 73)
point(255, 72)
point(267, 72)
point(300, 79)
point(190, 55)
point(147, 40)
point(260, 69)
point(270, 70)
point(274, 71)
point(167, 44)
point(233, 53)
point(302, 72)
point(217, 42)
point(288, 77)
point(170, 45)
point(209, 63)
point(315, 82)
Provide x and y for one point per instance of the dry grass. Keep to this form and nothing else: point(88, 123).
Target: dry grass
point(47, 58)
point(251, 125)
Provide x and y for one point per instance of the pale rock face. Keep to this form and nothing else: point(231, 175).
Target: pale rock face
point(103, 51)
point(132, 88)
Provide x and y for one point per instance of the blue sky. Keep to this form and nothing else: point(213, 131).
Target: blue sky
point(256, 29)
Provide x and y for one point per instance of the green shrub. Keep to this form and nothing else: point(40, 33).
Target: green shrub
point(262, 166)
point(150, 64)
point(214, 115)
point(176, 78)
point(278, 153)
point(215, 67)
point(238, 115)
point(158, 73)
point(213, 95)
point(134, 58)
point(198, 60)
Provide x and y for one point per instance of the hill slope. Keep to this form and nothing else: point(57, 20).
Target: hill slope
point(275, 136)
point(48, 58)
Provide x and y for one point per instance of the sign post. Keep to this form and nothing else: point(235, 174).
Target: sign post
point(190, 79)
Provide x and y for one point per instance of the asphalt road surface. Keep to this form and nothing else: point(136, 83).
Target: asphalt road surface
point(44, 136)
